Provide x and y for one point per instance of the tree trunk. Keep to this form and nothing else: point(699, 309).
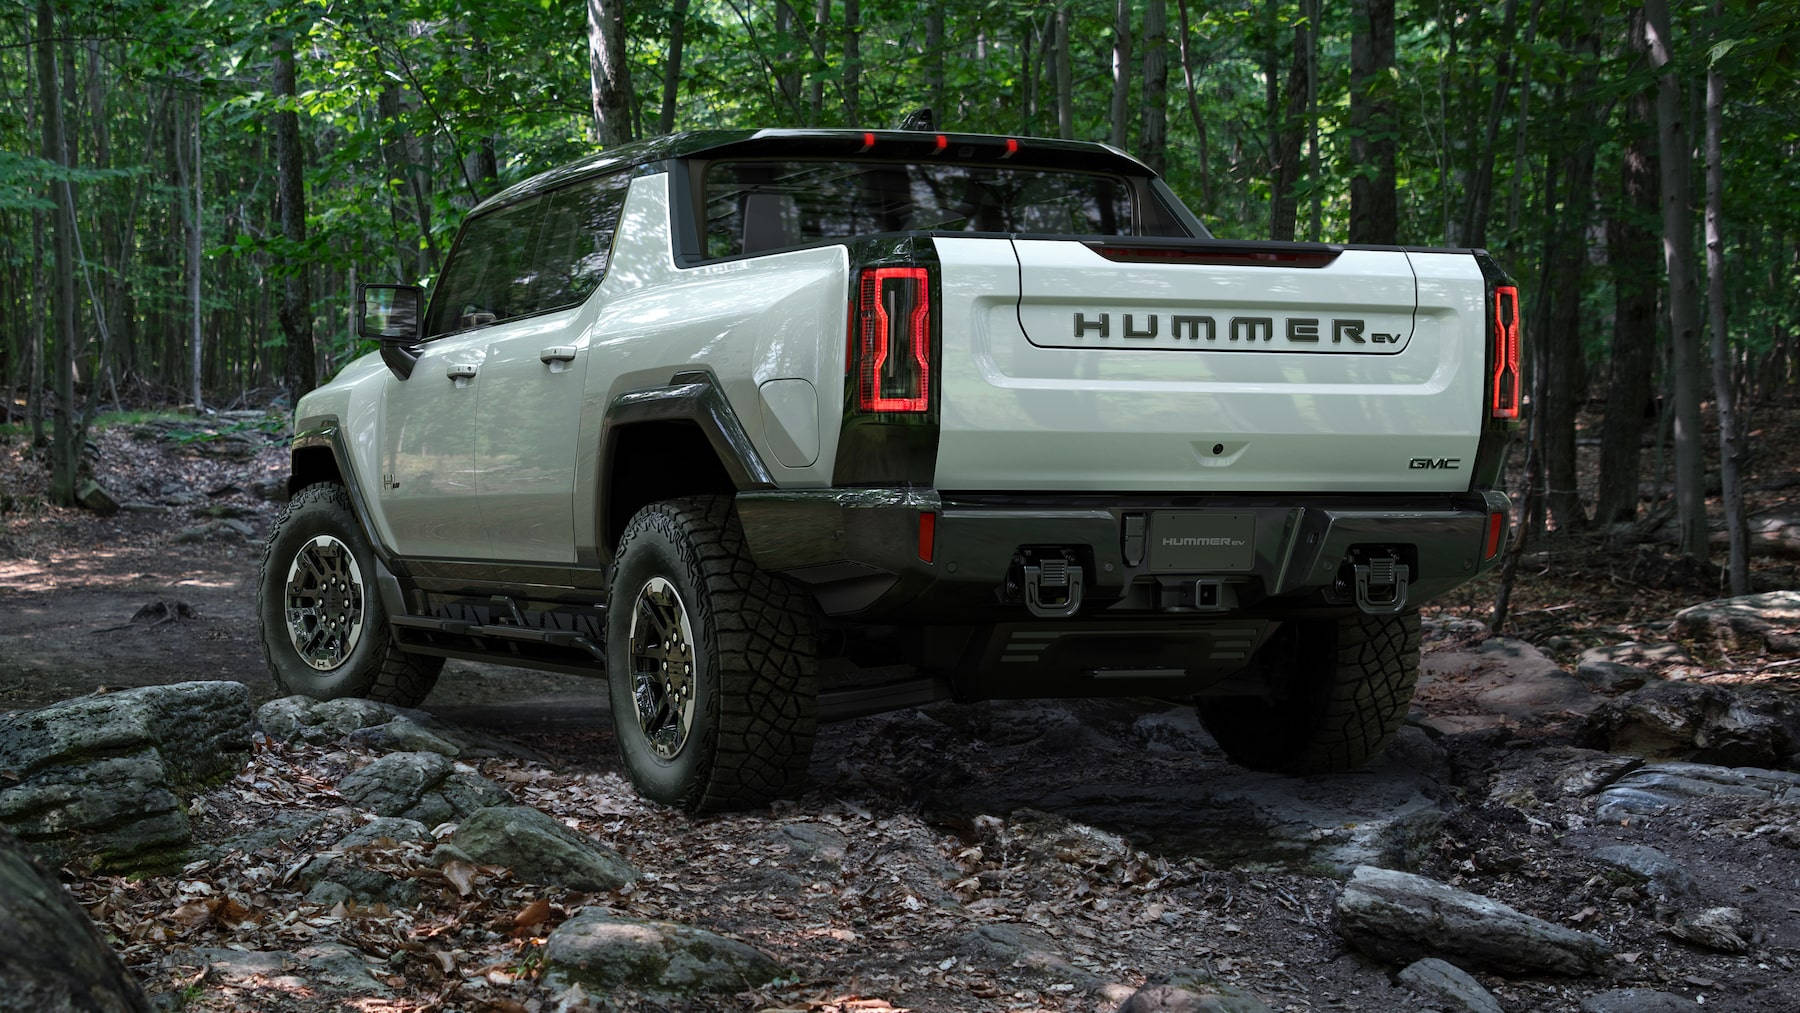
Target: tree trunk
point(1481, 189)
point(665, 123)
point(609, 72)
point(1315, 222)
point(1374, 208)
point(853, 63)
point(1631, 257)
point(195, 251)
point(1678, 257)
point(1065, 95)
point(65, 436)
point(296, 291)
point(934, 61)
point(1153, 134)
point(1731, 454)
point(787, 77)
point(1121, 74)
point(1184, 45)
point(1284, 206)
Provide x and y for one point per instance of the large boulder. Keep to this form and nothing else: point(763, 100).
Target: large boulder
point(1399, 917)
point(1699, 723)
point(1661, 787)
point(540, 850)
point(102, 778)
point(52, 959)
point(1754, 623)
point(600, 951)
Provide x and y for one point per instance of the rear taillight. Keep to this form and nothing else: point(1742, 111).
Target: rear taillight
point(1503, 353)
point(891, 340)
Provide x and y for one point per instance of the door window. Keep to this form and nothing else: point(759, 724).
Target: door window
point(539, 255)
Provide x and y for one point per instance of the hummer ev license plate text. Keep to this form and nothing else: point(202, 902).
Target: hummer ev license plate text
point(1202, 542)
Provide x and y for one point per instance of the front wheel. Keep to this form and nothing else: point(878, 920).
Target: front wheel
point(710, 662)
point(1339, 690)
point(324, 630)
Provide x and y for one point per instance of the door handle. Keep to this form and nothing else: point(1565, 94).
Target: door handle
point(557, 353)
point(462, 371)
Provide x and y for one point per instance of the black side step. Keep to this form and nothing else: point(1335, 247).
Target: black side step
point(858, 701)
point(560, 639)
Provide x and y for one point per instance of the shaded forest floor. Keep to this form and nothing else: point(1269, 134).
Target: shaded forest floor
point(934, 865)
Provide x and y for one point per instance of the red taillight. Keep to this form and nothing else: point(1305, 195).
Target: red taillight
point(1496, 529)
point(1505, 353)
point(892, 352)
point(927, 535)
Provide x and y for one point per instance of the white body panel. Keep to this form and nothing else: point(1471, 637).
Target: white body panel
point(524, 456)
point(1188, 415)
point(427, 479)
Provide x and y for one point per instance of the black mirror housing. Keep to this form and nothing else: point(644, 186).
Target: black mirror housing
point(393, 315)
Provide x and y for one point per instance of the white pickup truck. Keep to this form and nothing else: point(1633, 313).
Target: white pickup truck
point(705, 414)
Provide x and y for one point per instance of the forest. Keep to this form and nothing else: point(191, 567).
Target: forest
point(191, 193)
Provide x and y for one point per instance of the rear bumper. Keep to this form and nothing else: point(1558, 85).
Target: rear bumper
point(860, 550)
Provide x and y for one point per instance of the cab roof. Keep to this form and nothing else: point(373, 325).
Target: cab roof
point(872, 145)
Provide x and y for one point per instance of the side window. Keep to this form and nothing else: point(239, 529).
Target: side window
point(543, 254)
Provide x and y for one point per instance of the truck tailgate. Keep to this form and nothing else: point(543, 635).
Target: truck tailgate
point(1122, 368)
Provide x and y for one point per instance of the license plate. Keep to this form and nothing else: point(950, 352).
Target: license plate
point(1202, 542)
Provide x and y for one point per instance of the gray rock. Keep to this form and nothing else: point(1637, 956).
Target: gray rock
point(1700, 723)
point(340, 873)
point(1447, 987)
point(1193, 997)
point(812, 841)
point(538, 849)
point(100, 778)
point(1617, 668)
point(1638, 1000)
point(1658, 787)
point(52, 959)
point(600, 951)
point(303, 719)
point(94, 496)
point(396, 782)
point(1399, 917)
point(1005, 945)
point(426, 787)
point(1751, 623)
point(1666, 877)
point(403, 735)
point(1725, 929)
point(339, 967)
point(279, 830)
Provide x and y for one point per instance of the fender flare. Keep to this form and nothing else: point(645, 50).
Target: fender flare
point(326, 433)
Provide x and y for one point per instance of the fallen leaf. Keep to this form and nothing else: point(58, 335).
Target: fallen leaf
point(533, 914)
point(461, 875)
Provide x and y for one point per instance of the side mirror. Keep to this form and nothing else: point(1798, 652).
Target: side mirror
point(392, 315)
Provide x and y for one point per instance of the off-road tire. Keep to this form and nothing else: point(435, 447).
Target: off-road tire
point(375, 668)
point(1341, 691)
point(754, 680)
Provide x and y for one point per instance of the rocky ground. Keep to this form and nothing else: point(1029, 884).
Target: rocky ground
point(1565, 824)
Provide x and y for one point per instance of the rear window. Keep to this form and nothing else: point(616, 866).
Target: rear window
point(767, 205)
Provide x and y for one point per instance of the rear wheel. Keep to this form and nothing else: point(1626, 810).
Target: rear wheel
point(710, 662)
point(1340, 690)
point(324, 629)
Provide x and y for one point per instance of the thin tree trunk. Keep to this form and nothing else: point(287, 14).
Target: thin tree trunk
point(934, 60)
point(195, 247)
point(853, 63)
point(665, 122)
point(1678, 256)
point(1731, 454)
point(1315, 222)
point(1153, 134)
point(1374, 209)
point(66, 439)
point(1481, 190)
point(609, 73)
point(1524, 118)
point(1065, 95)
point(296, 293)
point(1193, 104)
point(1631, 256)
point(404, 162)
point(1284, 207)
point(787, 78)
point(1121, 74)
